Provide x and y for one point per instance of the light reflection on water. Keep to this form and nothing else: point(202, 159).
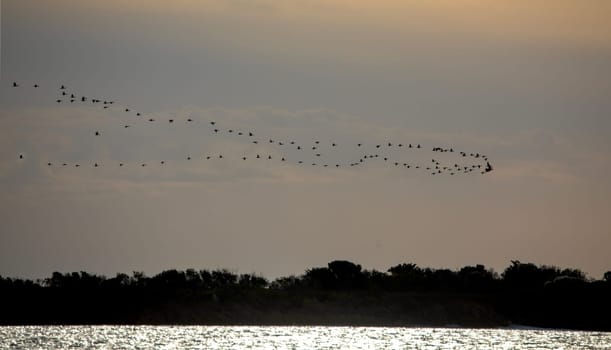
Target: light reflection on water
point(267, 337)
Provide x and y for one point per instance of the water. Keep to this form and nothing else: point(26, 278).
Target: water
point(221, 337)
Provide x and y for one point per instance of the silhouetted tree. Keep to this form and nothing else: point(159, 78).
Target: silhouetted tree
point(223, 278)
point(287, 283)
point(346, 274)
point(528, 275)
point(319, 278)
point(252, 281)
point(476, 278)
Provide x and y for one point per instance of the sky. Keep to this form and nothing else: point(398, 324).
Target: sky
point(526, 83)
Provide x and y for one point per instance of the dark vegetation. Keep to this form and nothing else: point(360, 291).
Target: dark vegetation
point(340, 294)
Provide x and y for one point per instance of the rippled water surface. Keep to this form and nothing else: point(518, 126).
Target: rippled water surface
point(206, 337)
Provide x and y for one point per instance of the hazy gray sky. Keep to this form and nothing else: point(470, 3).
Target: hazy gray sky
point(525, 82)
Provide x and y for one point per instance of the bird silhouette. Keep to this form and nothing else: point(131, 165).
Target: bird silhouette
point(435, 165)
point(15, 84)
point(21, 156)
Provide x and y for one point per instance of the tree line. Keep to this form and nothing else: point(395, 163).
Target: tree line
point(341, 293)
point(337, 275)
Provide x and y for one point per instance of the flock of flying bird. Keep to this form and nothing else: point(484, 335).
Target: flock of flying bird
point(316, 148)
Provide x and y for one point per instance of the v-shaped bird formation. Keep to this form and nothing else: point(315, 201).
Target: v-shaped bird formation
point(287, 151)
